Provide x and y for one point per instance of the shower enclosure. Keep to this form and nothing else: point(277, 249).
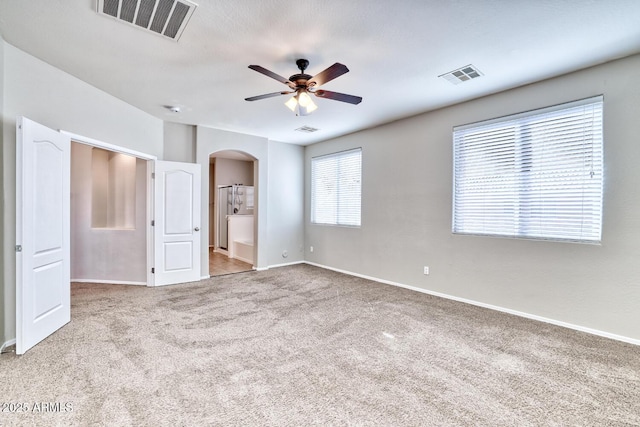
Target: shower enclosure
point(232, 200)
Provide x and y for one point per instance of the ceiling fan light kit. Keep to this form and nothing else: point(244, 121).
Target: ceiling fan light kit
point(301, 103)
point(303, 84)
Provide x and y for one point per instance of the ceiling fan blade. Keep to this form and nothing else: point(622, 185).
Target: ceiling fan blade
point(267, 95)
point(336, 70)
point(337, 96)
point(271, 74)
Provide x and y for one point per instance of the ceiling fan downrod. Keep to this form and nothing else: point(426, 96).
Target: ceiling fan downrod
point(300, 80)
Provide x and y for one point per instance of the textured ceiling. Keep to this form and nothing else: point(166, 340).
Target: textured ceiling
point(395, 51)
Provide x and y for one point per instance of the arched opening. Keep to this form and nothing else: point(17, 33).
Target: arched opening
point(232, 201)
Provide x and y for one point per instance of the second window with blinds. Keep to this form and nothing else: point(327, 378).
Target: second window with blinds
point(536, 175)
point(336, 188)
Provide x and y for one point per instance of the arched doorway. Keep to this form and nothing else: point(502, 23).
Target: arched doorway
point(232, 207)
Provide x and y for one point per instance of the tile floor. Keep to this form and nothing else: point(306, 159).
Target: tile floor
point(220, 264)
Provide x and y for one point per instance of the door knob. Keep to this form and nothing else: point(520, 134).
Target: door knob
point(197, 229)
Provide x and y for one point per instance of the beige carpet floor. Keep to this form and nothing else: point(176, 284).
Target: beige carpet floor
point(299, 346)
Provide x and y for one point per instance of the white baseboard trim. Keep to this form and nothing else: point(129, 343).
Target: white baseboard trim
point(7, 344)
point(489, 306)
point(287, 264)
point(109, 282)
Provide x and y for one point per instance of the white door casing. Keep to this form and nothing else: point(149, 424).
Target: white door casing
point(43, 290)
point(177, 222)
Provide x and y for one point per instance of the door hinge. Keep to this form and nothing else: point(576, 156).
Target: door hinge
point(18, 248)
point(153, 270)
point(153, 223)
point(153, 175)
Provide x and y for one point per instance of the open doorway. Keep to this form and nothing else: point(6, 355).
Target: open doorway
point(232, 207)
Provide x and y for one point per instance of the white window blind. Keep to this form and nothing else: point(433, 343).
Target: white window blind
point(336, 188)
point(534, 175)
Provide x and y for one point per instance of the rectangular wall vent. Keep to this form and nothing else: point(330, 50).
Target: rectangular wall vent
point(164, 17)
point(462, 74)
point(307, 129)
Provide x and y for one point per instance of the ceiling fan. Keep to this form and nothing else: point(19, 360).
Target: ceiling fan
point(303, 84)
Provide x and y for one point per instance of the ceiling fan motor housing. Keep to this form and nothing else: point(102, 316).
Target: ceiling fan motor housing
point(300, 80)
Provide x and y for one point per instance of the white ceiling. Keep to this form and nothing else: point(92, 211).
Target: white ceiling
point(395, 51)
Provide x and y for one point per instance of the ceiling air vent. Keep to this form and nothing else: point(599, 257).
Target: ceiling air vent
point(165, 17)
point(307, 129)
point(463, 74)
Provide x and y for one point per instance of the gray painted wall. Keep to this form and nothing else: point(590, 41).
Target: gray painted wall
point(406, 212)
point(286, 207)
point(58, 100)
point(179, 142)
point(230, 171)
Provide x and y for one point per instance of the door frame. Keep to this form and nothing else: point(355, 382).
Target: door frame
point(255, 160)
point(150, 171)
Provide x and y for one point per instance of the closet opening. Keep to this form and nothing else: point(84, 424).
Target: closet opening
point(108, 216)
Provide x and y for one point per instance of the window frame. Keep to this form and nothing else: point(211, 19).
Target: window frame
point(525, 123)
point(337, 215)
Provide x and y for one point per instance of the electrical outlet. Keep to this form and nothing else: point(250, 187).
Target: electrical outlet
point(310, 248)
point(426, 270)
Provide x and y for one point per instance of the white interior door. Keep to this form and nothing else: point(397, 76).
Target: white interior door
point(43, 289)
point(177, 222)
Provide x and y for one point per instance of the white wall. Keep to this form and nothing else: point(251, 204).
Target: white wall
point(406, 212)
point(179, 142)
point(279, 192)
point(4, 330)
point(105, 254)
point(58, 100)
point(285, 209)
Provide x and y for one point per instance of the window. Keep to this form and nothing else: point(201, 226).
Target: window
point(336, 189)
point(534, 175)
